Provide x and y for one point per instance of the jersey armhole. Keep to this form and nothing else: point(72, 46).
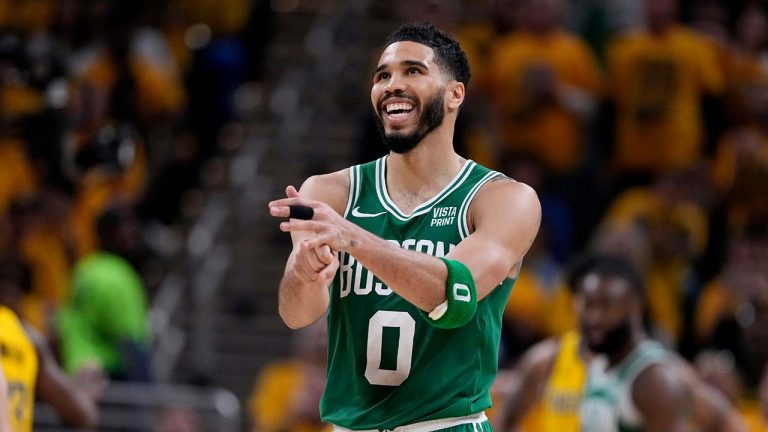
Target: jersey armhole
point(354, 188)
point(464, 229)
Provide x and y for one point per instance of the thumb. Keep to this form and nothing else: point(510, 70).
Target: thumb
point(291, 192)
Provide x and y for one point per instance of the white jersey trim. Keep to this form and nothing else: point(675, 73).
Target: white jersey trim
point(354, 188)
point(391, 207)
point(428, 426)
point(464, 209)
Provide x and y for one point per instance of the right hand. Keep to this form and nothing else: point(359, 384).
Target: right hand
point(92, 379)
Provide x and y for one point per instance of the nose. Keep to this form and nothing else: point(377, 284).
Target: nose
point(395, 84)
point(592, 317)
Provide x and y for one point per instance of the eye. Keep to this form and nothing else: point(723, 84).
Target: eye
point(412, 70)
point(382, 76)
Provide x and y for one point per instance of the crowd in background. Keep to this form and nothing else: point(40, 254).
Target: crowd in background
point(642, 124)
point(108, 111)
point(646, 136)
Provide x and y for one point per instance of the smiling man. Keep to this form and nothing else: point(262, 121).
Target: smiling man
point(413, 255)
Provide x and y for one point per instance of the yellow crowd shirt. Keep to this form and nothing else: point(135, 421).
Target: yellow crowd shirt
point(657, 82)
point(19, 360)
point(547, 130)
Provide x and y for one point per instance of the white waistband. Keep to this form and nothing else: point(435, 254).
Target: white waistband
point(428, 426)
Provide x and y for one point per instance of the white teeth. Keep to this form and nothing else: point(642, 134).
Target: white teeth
point(399, 107)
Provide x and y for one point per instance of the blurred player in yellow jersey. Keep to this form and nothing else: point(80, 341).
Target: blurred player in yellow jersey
point(5, 424)
point(29, 366)
point(546, 394)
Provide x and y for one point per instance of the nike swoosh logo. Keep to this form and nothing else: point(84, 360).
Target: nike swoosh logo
point(356, 213)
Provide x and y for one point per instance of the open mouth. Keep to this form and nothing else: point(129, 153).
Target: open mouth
point(397, 110)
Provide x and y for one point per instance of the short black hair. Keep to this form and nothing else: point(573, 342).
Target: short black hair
point(605, 265)
point(448, 54)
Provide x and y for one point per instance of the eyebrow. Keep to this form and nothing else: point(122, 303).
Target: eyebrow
point(402, 63)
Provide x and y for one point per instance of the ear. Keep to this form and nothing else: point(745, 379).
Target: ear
point(454, 95)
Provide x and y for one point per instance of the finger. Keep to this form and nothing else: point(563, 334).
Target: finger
point(324, 254)
point(285, 202)
point(291, 192)
point(310, 257)
point(302, 225)
point(328, 272)
point(323, 240)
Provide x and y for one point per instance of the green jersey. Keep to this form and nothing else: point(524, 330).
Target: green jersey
point(388, 366)
point(608, 405)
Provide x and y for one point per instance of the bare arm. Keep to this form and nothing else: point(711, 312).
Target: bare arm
point(303, 291)
point(5, 420)
point(72, 403)
point(711, 410)
point(662, 398)
point(531, 375)
point(713, 413)
point(506, 217)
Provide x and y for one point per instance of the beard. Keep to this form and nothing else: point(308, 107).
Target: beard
point(431, 118)
point(613, 341)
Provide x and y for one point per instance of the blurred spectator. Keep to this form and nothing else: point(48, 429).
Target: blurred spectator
point(545, 81)
point(127, 75)
point(5, 420)
point(286, 395)
point(710, 19)
point(762, 421)
point(104, 325)
point(741, 165)
point(745, 65)
point(41, 239)
point(30, 366)
point(111, 168)
point(478, 35)
point(733, 310)
point(17, 176)
point(218, 66)
point(659, 78)
point(482, 27)
point(675, 228)
point(745, 272)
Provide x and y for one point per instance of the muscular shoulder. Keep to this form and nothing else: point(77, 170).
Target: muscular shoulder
point(660, 389)
point(332, 189)
point(505, 198)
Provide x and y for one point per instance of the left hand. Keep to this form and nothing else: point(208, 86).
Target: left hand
point(331, 228)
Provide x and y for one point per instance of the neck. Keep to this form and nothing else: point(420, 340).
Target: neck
point(621, 354)
point(660, 28)
point(425, 170)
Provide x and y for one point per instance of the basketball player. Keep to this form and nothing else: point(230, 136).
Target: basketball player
point(427, 245)
point(5, 412)
point(550, 379)
point(30, 368)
